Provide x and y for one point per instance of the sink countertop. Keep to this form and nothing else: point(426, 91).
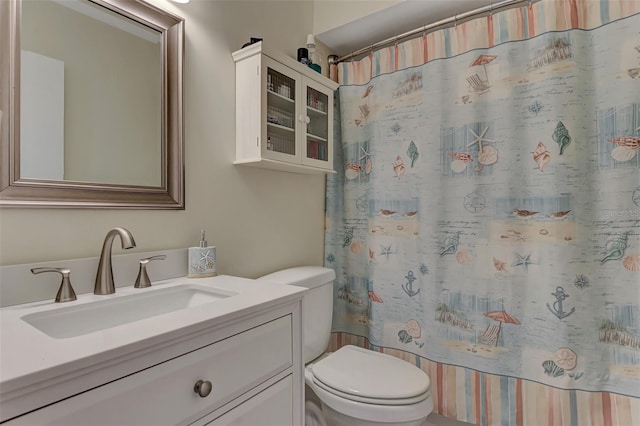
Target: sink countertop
point(29, 356)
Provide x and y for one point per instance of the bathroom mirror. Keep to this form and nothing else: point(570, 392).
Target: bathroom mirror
point(91, 105)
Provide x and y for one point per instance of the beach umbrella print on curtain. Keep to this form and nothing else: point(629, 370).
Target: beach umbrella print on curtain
point(501, 316)
point(483, 60)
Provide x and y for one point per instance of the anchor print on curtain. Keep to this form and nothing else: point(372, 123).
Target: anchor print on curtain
point(484, 222)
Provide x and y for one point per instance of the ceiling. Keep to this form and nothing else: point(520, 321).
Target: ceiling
point(397, 19)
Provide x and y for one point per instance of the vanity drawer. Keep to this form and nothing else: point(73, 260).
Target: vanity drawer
point(164, 394)
point(271, 407)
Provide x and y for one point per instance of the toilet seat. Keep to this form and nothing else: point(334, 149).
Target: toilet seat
point(372, 378)
point(374, 413)
point(378, 401)
point(371, 412)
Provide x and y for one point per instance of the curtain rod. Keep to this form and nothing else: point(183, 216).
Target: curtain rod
point(489, 9)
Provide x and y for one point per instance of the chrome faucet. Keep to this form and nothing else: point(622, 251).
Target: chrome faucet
point(104, 277)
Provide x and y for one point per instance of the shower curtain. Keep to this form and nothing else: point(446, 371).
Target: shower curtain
point(484, 221)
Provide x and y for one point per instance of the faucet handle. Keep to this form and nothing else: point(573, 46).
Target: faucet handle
point(143, 280)
point(65, 292)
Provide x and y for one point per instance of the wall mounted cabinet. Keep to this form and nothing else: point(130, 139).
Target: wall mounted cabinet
point(284, 113)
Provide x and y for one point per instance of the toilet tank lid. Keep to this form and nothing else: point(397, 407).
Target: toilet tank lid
point(302, 276)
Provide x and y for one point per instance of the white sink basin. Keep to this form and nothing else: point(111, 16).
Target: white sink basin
point(72, 321)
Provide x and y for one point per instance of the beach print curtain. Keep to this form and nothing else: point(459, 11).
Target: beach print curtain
point(484, 220)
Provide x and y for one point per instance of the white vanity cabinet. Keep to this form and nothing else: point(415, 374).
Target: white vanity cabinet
point(243, 371)
point(284, 113)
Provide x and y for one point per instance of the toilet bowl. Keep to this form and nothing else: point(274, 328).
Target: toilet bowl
point(361, 387)
point(355, 386)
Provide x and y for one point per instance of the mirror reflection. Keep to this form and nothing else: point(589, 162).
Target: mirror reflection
point(90, 95)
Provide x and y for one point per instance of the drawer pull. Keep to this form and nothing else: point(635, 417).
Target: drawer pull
point(203, 388)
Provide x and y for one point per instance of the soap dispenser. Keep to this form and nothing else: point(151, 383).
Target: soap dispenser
point(202, 260)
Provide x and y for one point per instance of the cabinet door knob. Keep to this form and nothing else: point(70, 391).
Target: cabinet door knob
point(304, 119)
point(203, 388)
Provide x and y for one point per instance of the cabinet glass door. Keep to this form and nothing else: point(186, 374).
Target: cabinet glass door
point(281, 113)
point(318, 149)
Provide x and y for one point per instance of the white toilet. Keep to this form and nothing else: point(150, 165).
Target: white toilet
point(355, 386)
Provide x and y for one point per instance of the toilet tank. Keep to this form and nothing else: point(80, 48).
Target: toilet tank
point(317, 304)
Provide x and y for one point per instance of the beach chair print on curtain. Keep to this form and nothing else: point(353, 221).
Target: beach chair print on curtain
point(490, 335)
point(477, 84)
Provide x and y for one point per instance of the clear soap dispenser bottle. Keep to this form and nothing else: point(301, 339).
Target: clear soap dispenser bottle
point(202, 260)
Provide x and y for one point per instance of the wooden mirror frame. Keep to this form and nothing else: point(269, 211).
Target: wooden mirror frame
point(25, 192)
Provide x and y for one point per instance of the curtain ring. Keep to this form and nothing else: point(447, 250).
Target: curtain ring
point(455, 21)
point(491, 9)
